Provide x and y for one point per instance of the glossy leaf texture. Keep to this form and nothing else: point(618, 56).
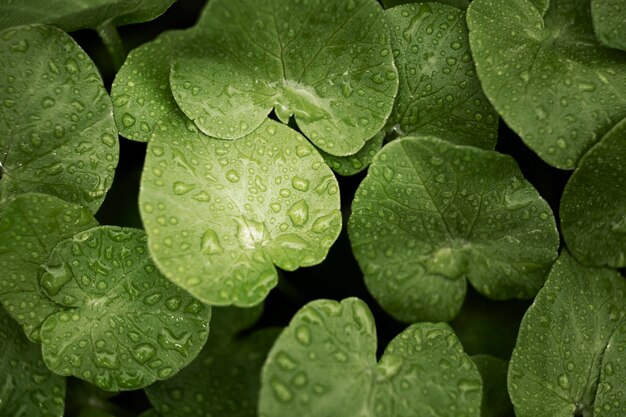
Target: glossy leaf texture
point(121, 325)
point(324, 364)
point(569, 358)
point(30, 227)
point(353, 164)
point(57, 133)
point(593, 206)
point(225, 378)
point(439, 92)
point(609, 22)
point(547, 75)
point(496, 401)
point(220, 214)
point(327, 63)
point(460, 4)
point(27, 387)
point(430, 214)
point(71, 15)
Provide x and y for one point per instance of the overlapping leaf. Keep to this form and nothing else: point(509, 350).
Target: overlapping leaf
point(493, 371)
point(121, 325)
point(226, 212)
point(324, 364)
point(609, 22)
point(57, 133)
point(569, 358)
point(430, 214)
point(328, 63)
point(546, 74)
point(353, 164)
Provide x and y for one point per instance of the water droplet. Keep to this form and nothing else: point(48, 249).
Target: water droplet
point(299, 213)
point(282, 392)
point(168, 340)
point(128, 120)
point(210, 243)
point(303, 335)
point(563, 381)
point(232, 176)
point(181, 188)
point(143, 353)
point(107, 360)
point(300, 184)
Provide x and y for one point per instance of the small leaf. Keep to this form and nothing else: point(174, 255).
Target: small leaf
point(430, 214)
point(609, 22)
point(27, 387)
point(121, 325)
point(569, 358)
point(227, 212)
point(496, 401)
point(324, 364)
point(439, 91)
point(460, 4)
point(593, 206)
point(546, 74)
point(30, 227)
point(353, 164)
point(328, 63)
point(225, 378)
point(57, 133)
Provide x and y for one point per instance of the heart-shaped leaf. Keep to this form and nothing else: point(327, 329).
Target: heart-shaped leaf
point(121, 324)
point(547, 75)
point(569, 358)
point(324, 364)
point(57, 133)
point(30, 227)
point(609, 22)
point(439, 91)
point(430, 214)
point(227, 212)
point(328, 63)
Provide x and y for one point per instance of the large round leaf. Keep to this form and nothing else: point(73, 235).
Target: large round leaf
point(57, 133)
point(569, 358)
point(439, 91)
point(122, 325)
point(225, 378)
point(430, 213)
point(324, 364)
point(219, 214)
point(27, 387)
point(593, 206)
point(609, 22)
point(30, 227)
point(328, 63)
point(547, 75)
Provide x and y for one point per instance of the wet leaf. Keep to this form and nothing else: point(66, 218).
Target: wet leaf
point(122, 325)
point(57, 133)
point(439, 92)
point(353, 164)
point(430, 214)
point(225, 378)
point(461, 4)
point(328, 63)
point(324, 364)
point(228, 211)
point(609, 23)
point(30, 227)
point(569, 358)
point(496, 401)
point(593, 206)
point(547, 75)
point(27, 387)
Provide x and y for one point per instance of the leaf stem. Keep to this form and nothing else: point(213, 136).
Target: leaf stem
point(111, 39)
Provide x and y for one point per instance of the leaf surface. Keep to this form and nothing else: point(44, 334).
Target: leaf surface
point(353, 164)
point(609, 22)
point(461, 4)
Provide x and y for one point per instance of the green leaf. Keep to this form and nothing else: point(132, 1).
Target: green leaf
point(328, 63)
point(353, 164)
point(569, 357)
point(439, 91)
point(71, 15)
point(324, 364)
point(57, 133)
point(121, 325)
point(430, 214)
point(547, 75)
point(609, 23)
point(27, 387)
point(496, 401)
point(593, 206)
point(225, 378)
point(226, 211)
point(150, 413)
point(30, 227)
point(461, 4)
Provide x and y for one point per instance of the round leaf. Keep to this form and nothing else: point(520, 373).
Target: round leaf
point(328, 63)
point(439, 91)
point(324, 364)
point(496, 401)
point(226, 212)
point(593, 206)
point(547, 75)
point(569, 358)
point(27, 387)
point(57, 133)
point(30, 227)
point(122, 325)
point(430, 213)
point(353, 164)
point(609, 22)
